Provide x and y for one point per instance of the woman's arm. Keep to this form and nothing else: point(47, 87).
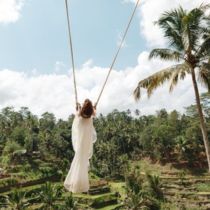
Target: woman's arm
point(94, 110)
point(78, 108)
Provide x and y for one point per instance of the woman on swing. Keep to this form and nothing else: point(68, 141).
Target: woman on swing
point(83, 137)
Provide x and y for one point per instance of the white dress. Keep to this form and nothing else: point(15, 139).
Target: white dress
point(83, 137)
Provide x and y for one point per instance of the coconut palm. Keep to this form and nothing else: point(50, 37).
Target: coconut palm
point(70, 203)
point(138, 195)
point(49, 195)
point(188, 33)
point(16, 201)
point(154, 186)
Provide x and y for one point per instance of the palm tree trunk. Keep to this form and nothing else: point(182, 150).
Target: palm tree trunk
point(202, 119)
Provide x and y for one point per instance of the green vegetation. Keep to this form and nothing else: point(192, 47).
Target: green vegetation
point(130, 154)
point(188, 35)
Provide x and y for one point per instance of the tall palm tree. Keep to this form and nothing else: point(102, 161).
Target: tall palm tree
point(188, 33)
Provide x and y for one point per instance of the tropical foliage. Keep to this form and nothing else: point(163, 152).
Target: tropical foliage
point(143, 193)
point(164, 137)
point(187, 33)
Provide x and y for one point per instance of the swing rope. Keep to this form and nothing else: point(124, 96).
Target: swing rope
point(117, 53)
point(72, 53)
point(115, 57)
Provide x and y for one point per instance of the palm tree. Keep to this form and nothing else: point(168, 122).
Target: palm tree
point(188, 34)
point(154, 185)
point(70, 203)
point(49, 195)
point(16, 201)
point(138, 196)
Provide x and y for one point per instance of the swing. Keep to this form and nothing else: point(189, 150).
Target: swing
point(114, 59)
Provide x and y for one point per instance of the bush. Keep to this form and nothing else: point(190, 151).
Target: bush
point(8, 182)
point(141, 192)
point(50, 171)
point(9, 152)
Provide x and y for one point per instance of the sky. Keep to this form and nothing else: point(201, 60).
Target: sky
point(37, 37)
point(35, 66)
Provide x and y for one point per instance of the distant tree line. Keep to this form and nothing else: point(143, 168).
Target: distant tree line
point(122, 137)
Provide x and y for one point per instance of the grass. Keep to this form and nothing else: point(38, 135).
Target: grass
point(94, 200)
point(119, 187)
point(168, 174)
point(172, 206)
point(29, 188)
point(111, 207)
point(202, 187)
point(153, 168)
point(92, 197)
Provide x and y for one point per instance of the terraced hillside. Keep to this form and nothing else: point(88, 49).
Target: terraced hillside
point(192, 192)
point(181, 189)
point(100, 196)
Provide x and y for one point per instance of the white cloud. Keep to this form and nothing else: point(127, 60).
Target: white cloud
point(10, 10)
point(54, 92)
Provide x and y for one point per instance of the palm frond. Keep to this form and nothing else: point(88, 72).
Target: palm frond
point(182, 28)
point(154, 81)
point(171, 24)
point(166, 54)
point(179, 73)
point(192, 28)
point(204, 49)
point(204, 75)
point(204, 7)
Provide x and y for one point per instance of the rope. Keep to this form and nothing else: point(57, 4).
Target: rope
point(71, 49)
point(117, 53)
point(115, 57)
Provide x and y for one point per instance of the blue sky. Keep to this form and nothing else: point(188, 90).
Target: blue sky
point(35, 56)
point(39, 38)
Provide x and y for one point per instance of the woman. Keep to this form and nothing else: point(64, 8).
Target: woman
point(83, 137)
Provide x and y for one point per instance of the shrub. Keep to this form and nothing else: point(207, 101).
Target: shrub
point(139, 195)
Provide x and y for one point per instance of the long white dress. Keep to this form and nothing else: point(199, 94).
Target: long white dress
point(83, 137)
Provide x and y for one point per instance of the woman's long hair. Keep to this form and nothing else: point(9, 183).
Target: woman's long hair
point(87, 109)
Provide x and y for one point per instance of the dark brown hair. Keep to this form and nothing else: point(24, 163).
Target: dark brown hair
point(87, 109)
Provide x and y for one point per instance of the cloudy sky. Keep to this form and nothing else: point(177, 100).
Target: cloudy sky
point(35, 67)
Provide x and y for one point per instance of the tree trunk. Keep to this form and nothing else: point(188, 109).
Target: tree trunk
point(202, 119)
